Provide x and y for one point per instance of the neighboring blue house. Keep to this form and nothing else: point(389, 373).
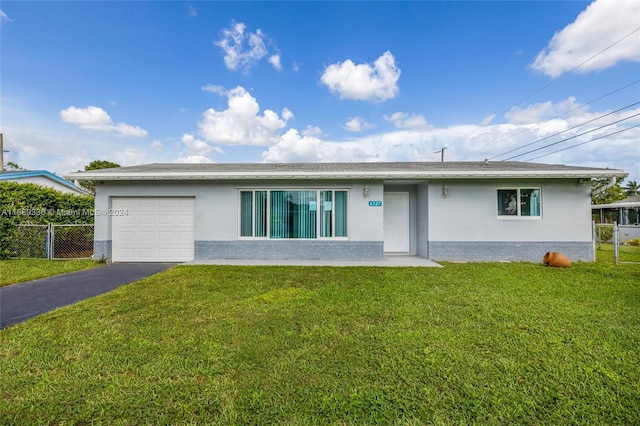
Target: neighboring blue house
point(43, 178)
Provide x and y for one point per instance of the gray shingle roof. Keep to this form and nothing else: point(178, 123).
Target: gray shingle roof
point(372, 170)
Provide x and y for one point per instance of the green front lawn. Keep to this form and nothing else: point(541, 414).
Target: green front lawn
point(20, 270)
point(510, 343)
point(626, 253)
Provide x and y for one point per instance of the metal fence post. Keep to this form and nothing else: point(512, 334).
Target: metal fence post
point(593, 240)
point(52, 253)
point(616, 254)
point(47, 239)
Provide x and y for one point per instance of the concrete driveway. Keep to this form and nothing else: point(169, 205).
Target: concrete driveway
point(19, 302)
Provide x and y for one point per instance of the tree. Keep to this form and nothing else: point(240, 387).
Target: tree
point(90, 185)
point(13, 166)
point(600, 195)
point(632, 188)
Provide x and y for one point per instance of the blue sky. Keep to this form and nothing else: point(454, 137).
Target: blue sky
point(143, 82)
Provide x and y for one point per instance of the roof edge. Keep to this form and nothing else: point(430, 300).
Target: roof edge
point(352, 175)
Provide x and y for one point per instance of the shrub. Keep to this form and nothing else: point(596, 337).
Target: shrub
point(634, 242)
point(604, 233)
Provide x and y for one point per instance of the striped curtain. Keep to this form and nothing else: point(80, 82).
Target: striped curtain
point(246, 211)
point(341, 213)
point(261, 214)
point(292, 215)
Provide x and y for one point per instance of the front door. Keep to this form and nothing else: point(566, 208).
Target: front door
point(396, 222)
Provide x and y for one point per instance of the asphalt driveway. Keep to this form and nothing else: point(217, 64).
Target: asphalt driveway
point(20, 302)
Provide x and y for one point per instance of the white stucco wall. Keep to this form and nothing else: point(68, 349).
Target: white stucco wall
point(46, 182)
point(216, 215)
point(422, 205)
point(469, 213)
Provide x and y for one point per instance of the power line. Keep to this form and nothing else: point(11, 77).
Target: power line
point(564, 131)
point(578, 66)
point(583, 143)
point(557, 116)
point(563, 75)
point(573, 137)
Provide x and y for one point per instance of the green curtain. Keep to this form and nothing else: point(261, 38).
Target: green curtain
point(532, 205)
point(340, 212)
point(326, 207)
point(246, 211)
point(261, 214)
point(304, 220)
point(279, 214)
point(292, 215)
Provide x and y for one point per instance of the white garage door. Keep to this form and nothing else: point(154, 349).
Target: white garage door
point(153, 229)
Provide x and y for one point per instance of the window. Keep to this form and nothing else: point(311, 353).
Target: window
point(519, 202)
point(286, 214)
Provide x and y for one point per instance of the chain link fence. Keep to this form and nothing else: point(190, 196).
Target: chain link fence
point(52, 242)
point(30, 242)
point(623, 241)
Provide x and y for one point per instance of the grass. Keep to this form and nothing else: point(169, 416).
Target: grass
point(20, 270)
point(626, 253)
point(511, 343)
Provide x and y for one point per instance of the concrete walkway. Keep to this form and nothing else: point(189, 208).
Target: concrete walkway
point(19, 302)
point(389, 260)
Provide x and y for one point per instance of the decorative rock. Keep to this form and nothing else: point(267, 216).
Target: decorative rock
point(556, 260)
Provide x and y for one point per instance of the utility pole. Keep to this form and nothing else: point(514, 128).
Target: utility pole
point(2, 151)
point(441, 151)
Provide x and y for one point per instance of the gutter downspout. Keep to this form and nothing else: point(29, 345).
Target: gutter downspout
point(612, 182)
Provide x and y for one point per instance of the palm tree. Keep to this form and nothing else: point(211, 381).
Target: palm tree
point(632, 188)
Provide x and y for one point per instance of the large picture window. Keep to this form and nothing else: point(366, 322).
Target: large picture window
point(285, 214)
point(519, 202)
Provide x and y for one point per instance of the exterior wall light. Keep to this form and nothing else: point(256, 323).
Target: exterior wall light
point(365, 191)
point(445, 191)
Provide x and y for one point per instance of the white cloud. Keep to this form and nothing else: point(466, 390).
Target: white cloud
point(96, 119)
point(192, 159)
point(357, 124)
point(364, 81)
point(241, 123)
point(157, 145)
point(4, 18)
point(194, 150)
point(242, 49)
point(89, 118)
point(275, 61)
point(538, 112)
point(193, 11)
point(601, 24)
point(477, 142)
point(488, 119)
point(127, 130)
point(195, 145)
point(212, 88)
point(293, 148)
point(312, 131)
point(403, 120)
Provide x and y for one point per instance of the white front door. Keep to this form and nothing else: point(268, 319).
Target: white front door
point(396, 222)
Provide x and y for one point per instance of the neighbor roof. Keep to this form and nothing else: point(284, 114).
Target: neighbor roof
point(399, 170)
point(629, 202)
point(25, 174)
